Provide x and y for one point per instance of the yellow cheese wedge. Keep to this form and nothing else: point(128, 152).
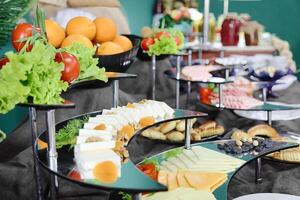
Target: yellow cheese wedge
point(163, 177)
point(182, 181)
point(204, 181)
point(181, 193)
point(197, 195)
point(218, 184)
point(172, 181)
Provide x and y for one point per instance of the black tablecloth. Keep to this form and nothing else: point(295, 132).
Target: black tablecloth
point(16, 165)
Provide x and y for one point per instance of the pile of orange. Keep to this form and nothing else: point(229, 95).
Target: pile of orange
point(101, 32)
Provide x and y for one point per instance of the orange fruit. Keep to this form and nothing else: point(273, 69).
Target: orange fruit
point(146, 121)
point(109, 48)
point(106, 172)
point(106, 30)
point(55, 33)
point(81, 25)
point(124, 42)
point(77, 38)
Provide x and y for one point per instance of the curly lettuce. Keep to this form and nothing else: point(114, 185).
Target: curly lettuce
point(167, 44)
point(31, 76)
point(88, 64)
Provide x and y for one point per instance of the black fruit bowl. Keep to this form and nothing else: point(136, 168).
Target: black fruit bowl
point(122, 61)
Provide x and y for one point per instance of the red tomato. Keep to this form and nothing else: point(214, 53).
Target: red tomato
point(177, 40)
point(162, 33)
point(21, 31)
point(74, 175)
point(146, 43)
point(149, 170)
point(3, 62)
point(72, 67)
point(204, 94)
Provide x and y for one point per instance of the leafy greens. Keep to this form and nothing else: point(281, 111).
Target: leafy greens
point(88, 64)
point(67, 135)
point(166, 45)
point(33, 76)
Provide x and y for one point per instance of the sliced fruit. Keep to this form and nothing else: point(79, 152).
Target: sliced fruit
point(106, 172)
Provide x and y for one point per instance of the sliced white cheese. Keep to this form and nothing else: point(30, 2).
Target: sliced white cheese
point(177, 162)
point(94, 146)
point(89, 159)
point(169, 166)
point(92, 132)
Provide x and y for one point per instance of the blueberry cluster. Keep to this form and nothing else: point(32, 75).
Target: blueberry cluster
point(236, 147)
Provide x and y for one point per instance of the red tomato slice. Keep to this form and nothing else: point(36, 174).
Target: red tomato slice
point(75, 175)
point(149, 170)
point(146, 43)
point(3, 62)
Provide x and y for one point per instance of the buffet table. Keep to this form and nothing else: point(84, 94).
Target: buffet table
point(17, 161)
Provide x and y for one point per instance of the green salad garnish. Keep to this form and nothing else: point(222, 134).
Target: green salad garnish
point(166, 44)
point(31, 76)
point(67, 135)
point(88, 64)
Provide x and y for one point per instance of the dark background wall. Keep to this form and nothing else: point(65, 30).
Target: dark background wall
point(280, 17)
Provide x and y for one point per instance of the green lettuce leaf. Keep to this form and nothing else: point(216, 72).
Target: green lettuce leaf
point(166, 45)
point(33, 76)
point(88, 64)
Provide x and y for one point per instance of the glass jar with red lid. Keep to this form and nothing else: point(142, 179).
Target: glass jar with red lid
point(230, 30)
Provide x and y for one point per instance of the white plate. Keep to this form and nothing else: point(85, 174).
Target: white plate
point(268, 196)
point(276, 115)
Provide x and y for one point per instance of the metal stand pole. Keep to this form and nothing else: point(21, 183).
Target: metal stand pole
point(206, 22)
point(258, 171)
point(188, 94)
point(115, 93)
point(226, 74)
point(259, 179)
point(153, 76)
point(220, 105)
point(32, 116)
point(269, 117)
point(225, 7)
point(264, 94)
point(188, 130)
point(190, 57)
point(52, 154)
point(178, 70)
point(136, 196)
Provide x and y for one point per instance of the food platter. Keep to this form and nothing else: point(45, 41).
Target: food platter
point(66, 163)
point(264, 107)
point(171, 73)
point(212, 147)
point(269, 132)
point(199, 124)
